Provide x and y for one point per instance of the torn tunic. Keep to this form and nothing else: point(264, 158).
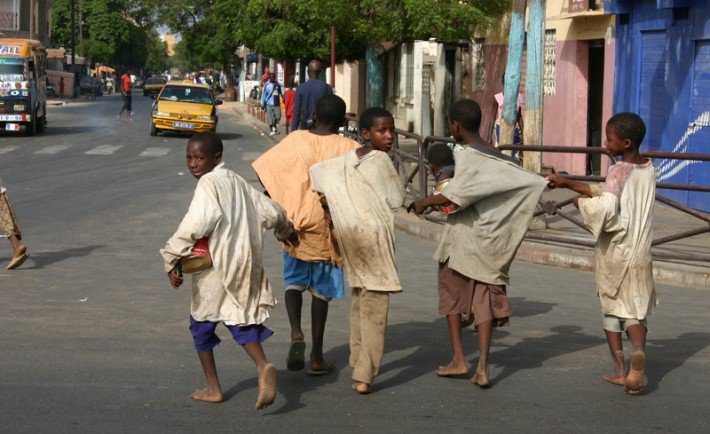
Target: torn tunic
point(234, 216)
point(362, 193)
point(620, 215)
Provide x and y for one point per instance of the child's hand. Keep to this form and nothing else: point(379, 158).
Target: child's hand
point(416, 207)
point(555, 181)
point(175, 277)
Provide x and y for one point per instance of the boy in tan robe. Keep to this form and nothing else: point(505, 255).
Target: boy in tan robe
point(620, 214)
point(235, 291)
point(313, 265)
point(496, 199)
point(362, 189)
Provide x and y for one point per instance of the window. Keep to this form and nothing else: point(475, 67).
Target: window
point(549, 64)
point(409, 73)
point(478, 56)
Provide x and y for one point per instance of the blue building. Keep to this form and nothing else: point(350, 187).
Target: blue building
point(662, 72)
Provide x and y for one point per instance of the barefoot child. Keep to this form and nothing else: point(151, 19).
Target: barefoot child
point(496, 199)
point(313, 265)
point(233, 216)
point(10, 228)
point(362, 189)
point(620, 214)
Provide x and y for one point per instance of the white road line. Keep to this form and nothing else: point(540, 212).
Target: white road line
point(54, 149)
point(6, 150)
point(155, 152)
point(103, 150)
point(250, 156)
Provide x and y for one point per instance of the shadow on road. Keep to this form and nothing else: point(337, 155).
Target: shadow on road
point(62, 131)
point(666, 355)
point(41, 260)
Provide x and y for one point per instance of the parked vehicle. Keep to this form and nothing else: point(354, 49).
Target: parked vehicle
point(90, 85)
point(153, 86)
point(23, 85)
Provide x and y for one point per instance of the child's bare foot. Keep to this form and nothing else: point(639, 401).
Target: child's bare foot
point(267, 387)
point(208, 395)
point(637, 372)
point(619, 380)
point(452, 369)
point(361, 388)
point(481, 379)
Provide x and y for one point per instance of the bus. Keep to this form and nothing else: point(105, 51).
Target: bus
point(23, 85)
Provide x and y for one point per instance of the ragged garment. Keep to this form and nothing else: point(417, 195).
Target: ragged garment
point(362, 194)
point(283, 170)
point(234, 216)
point(497, 200)
point(620, 215)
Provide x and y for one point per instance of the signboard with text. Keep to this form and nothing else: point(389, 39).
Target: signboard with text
point(578, 6)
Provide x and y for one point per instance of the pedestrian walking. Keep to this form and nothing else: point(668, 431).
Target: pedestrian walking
point(496, 199)
point(620, 214)
point(271, 102)
point(315, 264)
point(361, 191)
point(11, 229)
point(234, 290)
point(289, 101)
point(127, 97)
point(307, 96)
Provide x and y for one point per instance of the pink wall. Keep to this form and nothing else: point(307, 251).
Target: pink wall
point(565, 113)
point(54, 77)
point(608, 103)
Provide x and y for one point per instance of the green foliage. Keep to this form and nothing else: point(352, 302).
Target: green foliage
point(111, 35)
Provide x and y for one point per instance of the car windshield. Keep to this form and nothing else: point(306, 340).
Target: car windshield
point(186, 94)
point(12, 72)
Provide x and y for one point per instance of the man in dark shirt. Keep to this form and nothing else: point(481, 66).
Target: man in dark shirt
point(307, 95)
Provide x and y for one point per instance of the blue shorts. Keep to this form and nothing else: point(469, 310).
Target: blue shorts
point(206, 339)
point(322, 279)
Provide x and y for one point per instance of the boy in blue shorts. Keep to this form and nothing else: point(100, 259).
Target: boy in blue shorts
point(315, 264)
point(232, 215)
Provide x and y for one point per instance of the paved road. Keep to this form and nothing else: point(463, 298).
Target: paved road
point(93, 338)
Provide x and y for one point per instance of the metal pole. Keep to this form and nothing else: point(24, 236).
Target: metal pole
point(532, 134)
point(73, 38)
point(332, 57)
point(513, 72)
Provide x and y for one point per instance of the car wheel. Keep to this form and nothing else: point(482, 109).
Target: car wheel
point(31, 128)
point(153, 130)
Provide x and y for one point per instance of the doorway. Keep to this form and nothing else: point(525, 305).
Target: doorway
point(595, 99)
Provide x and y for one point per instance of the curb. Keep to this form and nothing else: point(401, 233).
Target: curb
point(259, 126)
point(576, 258)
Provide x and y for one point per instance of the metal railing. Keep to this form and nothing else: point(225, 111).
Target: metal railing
point(420, 187)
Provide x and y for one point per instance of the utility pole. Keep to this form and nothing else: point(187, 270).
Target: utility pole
point(332, 57)
point(513, 69)
point(81, 27)
point(532, 134)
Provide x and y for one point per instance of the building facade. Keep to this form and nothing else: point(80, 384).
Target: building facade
point(27, 19)
point(663, 74)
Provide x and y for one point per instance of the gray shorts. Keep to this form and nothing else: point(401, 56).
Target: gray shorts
point(615, 324)
point(273, 114)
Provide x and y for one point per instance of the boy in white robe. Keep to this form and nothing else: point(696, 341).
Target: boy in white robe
point(235, 291)
point(497, 199)
point(362, 189)
point(620, 214)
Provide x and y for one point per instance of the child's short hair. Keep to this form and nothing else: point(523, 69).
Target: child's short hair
point(628, 125)
point(330, 110)
point(441, 155)
point(467, 113)
point(367, 118)
point(209, 139)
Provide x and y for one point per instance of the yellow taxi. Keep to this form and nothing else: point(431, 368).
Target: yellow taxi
point(184, 106)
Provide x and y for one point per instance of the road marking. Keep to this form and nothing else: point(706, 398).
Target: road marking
point(155, 152)
point(250, 156)
point(54, 149)
point(103, 150)
point(6, 150)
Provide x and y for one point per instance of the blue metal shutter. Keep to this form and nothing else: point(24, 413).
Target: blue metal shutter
point(699, 172)
point(654, 103)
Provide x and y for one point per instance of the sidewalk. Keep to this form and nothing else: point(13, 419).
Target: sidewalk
point(667, 221)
